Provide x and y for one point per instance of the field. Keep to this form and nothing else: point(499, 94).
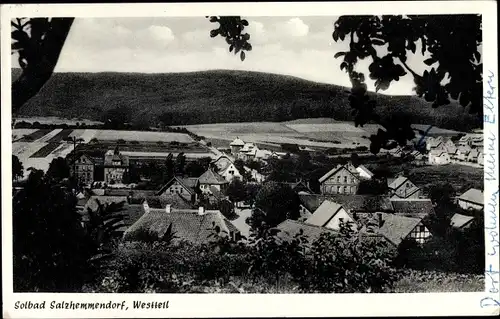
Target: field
point(429, 281)
point(461, 177)
point(315, 134)
point(38, 147)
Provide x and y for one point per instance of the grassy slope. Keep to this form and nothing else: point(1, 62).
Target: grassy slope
point(212, 97)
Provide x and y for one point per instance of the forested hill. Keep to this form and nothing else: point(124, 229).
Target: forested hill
point(216, 96)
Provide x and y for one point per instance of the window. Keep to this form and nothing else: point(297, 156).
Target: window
point(338, 179)
point(352, 180)
point(171, 191)
point(338, 189)
point(421, 228)
point(231, 172)
point(407, 185)
point(345, 179)
point(181, 190)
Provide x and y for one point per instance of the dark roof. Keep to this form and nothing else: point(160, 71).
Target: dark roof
point(412, 207)
point(134, 193)
point(190, 181)
point(349, 202)
point(459, 220)
point(93, 205)
point(131, 212)
point(174, 200)
point(180, 180)
point(212, 178)
point(395, 184)
point(289, 228)
point(187, 225)
point(216, 192)
point(396, 227)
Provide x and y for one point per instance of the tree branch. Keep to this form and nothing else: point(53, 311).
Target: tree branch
point(415, 75)
point(38, 72)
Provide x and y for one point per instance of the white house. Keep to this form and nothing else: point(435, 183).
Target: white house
point(236, 145)
point(439, 157)
point(226, 168)
point(330, 214)
point(364, 172)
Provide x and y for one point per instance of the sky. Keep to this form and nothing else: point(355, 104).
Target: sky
point(297, 46)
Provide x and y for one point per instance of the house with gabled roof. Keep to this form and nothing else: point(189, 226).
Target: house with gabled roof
point(330, 215)
point(83, 169)
point(289, 229)
point(473, 199)
point(397, 228)
point(115, 166)
point(178, 185)
point(194, 226)
point(212, 179)
point(472, 156)
point(461, 153)
point(402, 187)
point(340, 180)
point(226, 168)
point(460, 221)
point(236, 145)
point(480, 158)
point(439, 157)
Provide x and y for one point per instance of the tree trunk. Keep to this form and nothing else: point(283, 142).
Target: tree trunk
point(38, 72)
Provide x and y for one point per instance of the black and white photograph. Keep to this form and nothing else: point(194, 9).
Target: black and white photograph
point(249, 154)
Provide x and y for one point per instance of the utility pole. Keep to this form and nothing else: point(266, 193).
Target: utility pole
point(75, 141)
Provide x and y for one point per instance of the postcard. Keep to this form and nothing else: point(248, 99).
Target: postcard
point(318, 159)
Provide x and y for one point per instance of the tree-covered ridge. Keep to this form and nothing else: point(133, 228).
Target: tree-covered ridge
point(219, 96)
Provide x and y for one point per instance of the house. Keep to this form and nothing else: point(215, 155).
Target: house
point(473, 199)
point(254, 174)
point(364, 172)
point(299, 186)
point(472, 156)
point(412, 207)
point(211, 178)
point(480, 158)
point(263, 154)
point(477, 142)
point(178, 185)
point(83, 169)
point(339, 180)
point(460, 221)
point(194, 226)
point(465, 140)
point(236, 145)
point(174, 200)
point(461, 153)
point(402, 187)
point(290, 229)
point(226, 168)
point(439, 157)
point(115, 165)
point(248, 152)
point(397, 228)
point(329, 215)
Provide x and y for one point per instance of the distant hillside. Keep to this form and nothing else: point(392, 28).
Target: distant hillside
point(217, 96)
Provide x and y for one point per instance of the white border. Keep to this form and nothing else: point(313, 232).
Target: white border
point(211, 305)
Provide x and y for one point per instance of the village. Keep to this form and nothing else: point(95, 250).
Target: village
point(190, 203)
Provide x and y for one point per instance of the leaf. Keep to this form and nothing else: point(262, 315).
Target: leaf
point(242, 55)
point(378, 42)
point(430, 61)
point(339, 54)
point(244, 22)
point(231, 47)
point(214, 33)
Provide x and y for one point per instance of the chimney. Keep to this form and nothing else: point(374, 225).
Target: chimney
point(146, 206)
point(201, 211)
point(168, 209)
point(380, 221)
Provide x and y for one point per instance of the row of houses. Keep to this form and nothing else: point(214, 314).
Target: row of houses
point(442, 150)
point(345, 179)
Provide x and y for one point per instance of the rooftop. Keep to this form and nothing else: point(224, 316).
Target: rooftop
point(473, 195)
point(418, 208)
point(324, 213)
point(459, 220)
point(212, 178)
